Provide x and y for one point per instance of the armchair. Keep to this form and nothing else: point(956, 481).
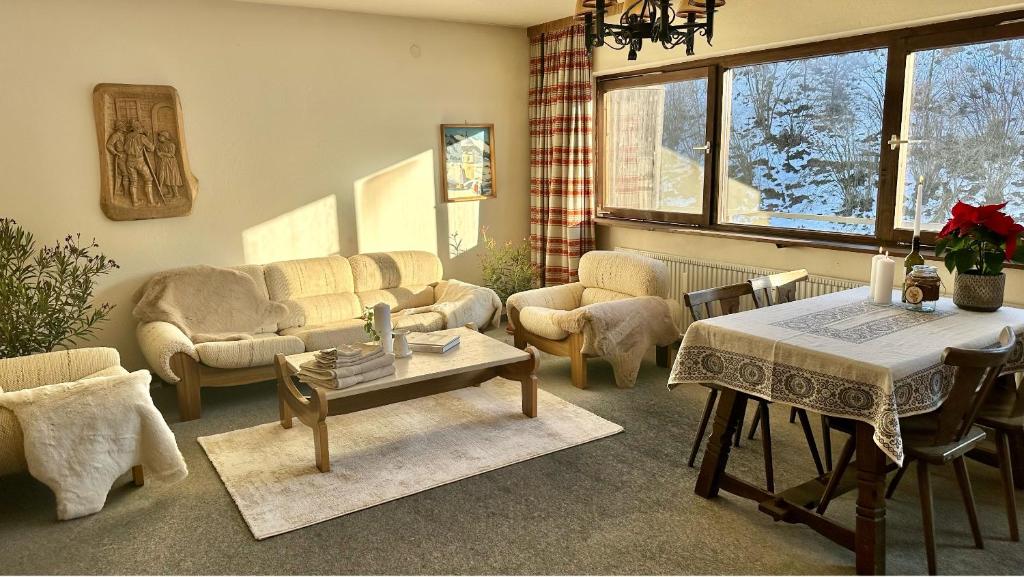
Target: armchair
point(538, 317)
point(48, 369)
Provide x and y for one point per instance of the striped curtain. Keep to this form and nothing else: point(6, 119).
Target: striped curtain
point(561, 171)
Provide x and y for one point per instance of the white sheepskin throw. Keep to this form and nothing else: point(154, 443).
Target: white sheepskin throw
point(207, 303)
point(622, 331)
point(463, 303)
point(81, 436)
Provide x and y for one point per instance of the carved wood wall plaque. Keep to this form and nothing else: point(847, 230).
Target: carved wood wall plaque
point(144, 170)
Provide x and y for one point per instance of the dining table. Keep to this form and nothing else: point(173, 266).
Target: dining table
point(842, 356)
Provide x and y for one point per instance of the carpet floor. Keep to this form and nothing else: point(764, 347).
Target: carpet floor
point(619, 505)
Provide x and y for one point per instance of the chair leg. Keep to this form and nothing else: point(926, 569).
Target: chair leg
point(662, 355)
point(792, 415)
point(964, 481)
point(138, 476)
point(927, 513)
point(578, 363)
point(845, 456)
point(1006, 470)
point(754, 423)
point(896, 480)
point(826, 442)
point(709, 408)
point(811, 444)
point(766, 445)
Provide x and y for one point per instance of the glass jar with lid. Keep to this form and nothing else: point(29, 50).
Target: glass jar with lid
point(921, 291)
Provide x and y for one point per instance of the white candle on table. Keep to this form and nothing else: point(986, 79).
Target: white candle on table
point(885, 274)
point(874, 262)
point(918, 193)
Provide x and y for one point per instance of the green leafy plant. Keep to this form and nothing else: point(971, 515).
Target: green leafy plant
point(368, 324)
point(979, 239)
point(506, 267)
point(47, 295)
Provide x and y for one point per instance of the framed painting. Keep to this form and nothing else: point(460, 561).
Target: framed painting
point(467, 166)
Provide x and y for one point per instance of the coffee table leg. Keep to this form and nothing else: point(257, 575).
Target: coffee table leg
point(525, 373)
point(320, 446)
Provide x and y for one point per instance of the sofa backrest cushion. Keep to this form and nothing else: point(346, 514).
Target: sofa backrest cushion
point(388, 270)
point(593, 295)
point(316, 290)
point(621, 272)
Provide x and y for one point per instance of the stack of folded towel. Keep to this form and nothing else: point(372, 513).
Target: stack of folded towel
point(346, 366)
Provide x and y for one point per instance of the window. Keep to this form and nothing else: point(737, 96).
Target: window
point(803, 140)
point(964, 130)
point(655, 144)
point(822, 141)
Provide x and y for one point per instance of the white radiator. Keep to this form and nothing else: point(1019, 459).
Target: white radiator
point(689, 274)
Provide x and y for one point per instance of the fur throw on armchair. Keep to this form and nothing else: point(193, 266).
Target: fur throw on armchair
point(81, 436)
point(207, 303)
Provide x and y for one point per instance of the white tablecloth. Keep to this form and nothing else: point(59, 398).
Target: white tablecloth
point(841, 356)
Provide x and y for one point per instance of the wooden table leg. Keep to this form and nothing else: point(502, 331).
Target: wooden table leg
point(869, 542)
point(728, 419)
point(138, 476)
point(311, 411)
point(526, 373)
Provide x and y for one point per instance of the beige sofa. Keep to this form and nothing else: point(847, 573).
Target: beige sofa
point(325, 298)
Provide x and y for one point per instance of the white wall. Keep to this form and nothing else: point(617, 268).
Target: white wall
point(747, 25)
point(284, 108)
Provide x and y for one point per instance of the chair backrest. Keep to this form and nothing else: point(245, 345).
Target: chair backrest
point(728, 297)
point(783, 283)
point(976, 370)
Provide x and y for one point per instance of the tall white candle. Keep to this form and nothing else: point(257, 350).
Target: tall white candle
point(874, 262)
point(382, 324)
point(885, 274)
point(918, 193)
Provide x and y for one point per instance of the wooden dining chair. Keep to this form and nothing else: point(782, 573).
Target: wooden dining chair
point(777, 289)
point(1003, 413)
point(726, 300)
point(942, 436)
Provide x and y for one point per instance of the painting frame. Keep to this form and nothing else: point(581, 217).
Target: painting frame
point(468, 187)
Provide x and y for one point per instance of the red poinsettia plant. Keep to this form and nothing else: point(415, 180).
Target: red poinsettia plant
point(979, 239)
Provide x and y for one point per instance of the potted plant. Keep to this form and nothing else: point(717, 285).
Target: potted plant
point(976, 242)
point(46, 296)
point(506, 268)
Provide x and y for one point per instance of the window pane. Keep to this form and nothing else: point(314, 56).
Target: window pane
point(654, 138)
point(967, 106)
point(803, 143)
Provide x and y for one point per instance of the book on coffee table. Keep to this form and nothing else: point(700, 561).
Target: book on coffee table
point(432, 342)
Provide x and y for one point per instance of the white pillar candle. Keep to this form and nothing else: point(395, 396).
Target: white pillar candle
point(874, 261)
point(382, 324)
point(918, 194)
point(885, 274)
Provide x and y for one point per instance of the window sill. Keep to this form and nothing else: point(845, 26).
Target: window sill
point(870, 246)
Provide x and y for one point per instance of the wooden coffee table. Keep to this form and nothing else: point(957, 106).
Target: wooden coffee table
point(478, 358)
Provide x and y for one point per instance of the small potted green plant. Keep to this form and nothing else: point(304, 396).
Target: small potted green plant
point(976, 242)
point(506, 267)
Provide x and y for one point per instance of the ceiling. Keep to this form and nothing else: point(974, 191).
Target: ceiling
point(519, 13)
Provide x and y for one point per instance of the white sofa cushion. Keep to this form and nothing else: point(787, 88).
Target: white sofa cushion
point(325, 336)
point(316, 290)
point(385, 270)
point(399, 298)
point(427, 322)
point(631, 274)
point(541, 322)
point(256, 352)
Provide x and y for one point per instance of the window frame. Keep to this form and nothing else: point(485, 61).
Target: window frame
point(899, 43)
point(652, 79)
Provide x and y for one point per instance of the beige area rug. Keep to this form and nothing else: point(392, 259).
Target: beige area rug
point(390, 452)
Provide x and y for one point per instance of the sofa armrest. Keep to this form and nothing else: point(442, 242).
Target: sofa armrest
point(565, 297)
point(159, 341)
point(55, 367)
